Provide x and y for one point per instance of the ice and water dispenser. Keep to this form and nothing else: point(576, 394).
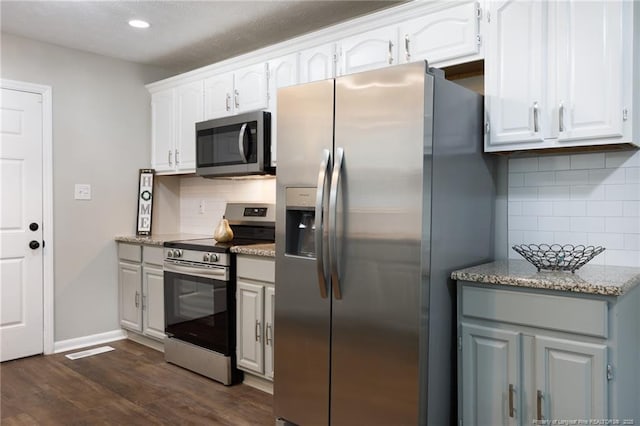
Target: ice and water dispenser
point(300, 222)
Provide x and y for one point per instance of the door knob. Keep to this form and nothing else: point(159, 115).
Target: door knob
point(33, 226)
point(34, 244)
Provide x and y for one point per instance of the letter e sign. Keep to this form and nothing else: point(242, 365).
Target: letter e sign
point(145, 201)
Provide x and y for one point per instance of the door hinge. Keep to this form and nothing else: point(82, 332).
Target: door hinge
point(459, 343)
point(625, 114)
point(478, 39)
point(609, 372)
point(478, 11)
point(487, 127)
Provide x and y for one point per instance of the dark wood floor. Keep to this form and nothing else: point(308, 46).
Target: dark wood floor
point(132, 385)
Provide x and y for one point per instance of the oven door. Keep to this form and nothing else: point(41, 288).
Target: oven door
point(199, 306)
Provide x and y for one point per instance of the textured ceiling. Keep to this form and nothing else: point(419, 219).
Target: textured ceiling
point(184, 35)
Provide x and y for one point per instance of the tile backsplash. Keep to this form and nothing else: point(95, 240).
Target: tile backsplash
point(214, 194)
point(590, 199)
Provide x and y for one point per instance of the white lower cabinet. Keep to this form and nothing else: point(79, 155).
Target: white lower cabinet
point(141, 289)
point(535, 357)
point(255, 297)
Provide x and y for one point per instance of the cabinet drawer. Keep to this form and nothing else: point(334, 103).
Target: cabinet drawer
point(257, 268)
point(562, 313)
point(132, 252)
point(153, 255)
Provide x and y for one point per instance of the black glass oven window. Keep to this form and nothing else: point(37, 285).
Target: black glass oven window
point(220, 146)
point(197, 311)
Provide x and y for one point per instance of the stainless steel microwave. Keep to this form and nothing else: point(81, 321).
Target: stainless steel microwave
point(238, 145)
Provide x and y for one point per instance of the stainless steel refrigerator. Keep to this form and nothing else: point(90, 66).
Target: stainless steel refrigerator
point(382, 191)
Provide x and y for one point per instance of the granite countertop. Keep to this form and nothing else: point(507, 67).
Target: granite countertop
point(591, 279)
point(158, 240)
point(266, 250)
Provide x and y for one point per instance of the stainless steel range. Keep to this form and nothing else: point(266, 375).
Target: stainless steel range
point(199, 294)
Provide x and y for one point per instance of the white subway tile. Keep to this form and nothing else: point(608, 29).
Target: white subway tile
point(575, 238)
point(588, 161)
point(515, 238)
point(629, 192)
point(631, 208)
point(587, 192)
point(540, 179)
point(523, 193)
point(604, 208)
point(587, 224)
point(572, 177)
point(632, 174)
point(631, 242)
point(608, 240)
point(606, 176)
point(538, 237)
point(537, 208)
point(516, 179)
point(622, 159)
point(622, 257)
point(523, 223)
point(569, 208)
point(554, 193)
point(554, 162)
point(553, 223)
point(624, 225)
point(515, 208)
point(528, 164)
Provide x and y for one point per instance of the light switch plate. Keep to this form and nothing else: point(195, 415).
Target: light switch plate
point(83, 191)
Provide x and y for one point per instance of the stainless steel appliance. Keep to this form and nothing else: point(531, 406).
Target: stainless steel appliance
point(199, 294)
point(234, 146)
point(389, 164)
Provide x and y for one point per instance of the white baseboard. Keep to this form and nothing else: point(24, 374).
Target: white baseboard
point(258, 383)
point(84, 341)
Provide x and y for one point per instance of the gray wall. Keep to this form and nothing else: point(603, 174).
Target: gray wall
point(101, 136)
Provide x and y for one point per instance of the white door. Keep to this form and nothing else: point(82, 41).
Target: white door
point(218, 96)
point(283, 72)
point(153, 301)
point(570, 379)
point(371, 50)
point(21, 266)
point(514, 88)
point(317, 63)
point(162, 131)
point(130, 281)
point(249, 334)
point(250, 88)
point(490, 376)
point(269, 312)
point(190, 110)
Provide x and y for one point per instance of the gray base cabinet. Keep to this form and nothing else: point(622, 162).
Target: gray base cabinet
point(534, 357)
point(141, 289)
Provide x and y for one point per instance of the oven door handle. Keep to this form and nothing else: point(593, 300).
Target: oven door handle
point(221, 273)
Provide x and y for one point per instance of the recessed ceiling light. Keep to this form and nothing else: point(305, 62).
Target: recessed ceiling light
point(138, 23)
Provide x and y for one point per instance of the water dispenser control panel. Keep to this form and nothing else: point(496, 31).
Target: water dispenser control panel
point(300, 222)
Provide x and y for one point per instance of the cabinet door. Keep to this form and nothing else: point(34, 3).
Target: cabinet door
point(490, 376)
point(514, 87)
point(218, 96)
point(441, 36)
point(370, 50)
point(130, 283)
point(153, 301)
point(162, 131)
point(249, 334)
point(570, 379)
point(250, 91)
point(283, 72)
point(317, 63)
point(589, 76)
point(269, 310)
point(189, 110)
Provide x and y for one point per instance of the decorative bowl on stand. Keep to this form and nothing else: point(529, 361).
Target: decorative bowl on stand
point(556, 257)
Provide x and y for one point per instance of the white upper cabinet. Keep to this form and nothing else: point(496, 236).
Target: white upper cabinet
point(318, 63)
point(441, 36)
point(556, 75)
point(283, 72)
point(174, 113)
point(370, 50)
point(513, 73)
point(236, 92)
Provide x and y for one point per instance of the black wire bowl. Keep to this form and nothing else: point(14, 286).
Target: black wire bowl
point(558, 257)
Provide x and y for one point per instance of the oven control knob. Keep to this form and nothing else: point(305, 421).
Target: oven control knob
point(169, 253)
point(214, 257)
point(177, 253)
point(205, 257)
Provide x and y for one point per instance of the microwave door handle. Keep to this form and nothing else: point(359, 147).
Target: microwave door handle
point(243, 129)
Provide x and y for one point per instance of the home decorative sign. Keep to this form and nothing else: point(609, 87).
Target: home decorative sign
point(145, 201)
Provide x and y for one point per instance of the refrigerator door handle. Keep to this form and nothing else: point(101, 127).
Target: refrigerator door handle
point(333, 238)
point(325, 163)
